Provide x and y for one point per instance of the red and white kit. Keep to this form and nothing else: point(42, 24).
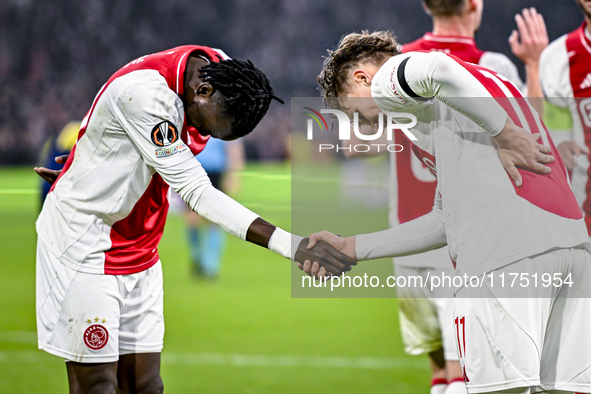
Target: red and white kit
point(415, 180)
point(487, 222)
point(100, 226)
point(427, 323)
point(565, 74)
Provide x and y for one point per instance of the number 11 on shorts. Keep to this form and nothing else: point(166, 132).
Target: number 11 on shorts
point(461, 333)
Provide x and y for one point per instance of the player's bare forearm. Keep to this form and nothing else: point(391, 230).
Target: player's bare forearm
point(260, 232)
point(527, 44)
point(534, 88)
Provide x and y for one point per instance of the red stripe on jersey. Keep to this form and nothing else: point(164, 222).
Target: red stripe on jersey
point(415, 196)
point(549, 192)
point(578, 47)
point(134, 240)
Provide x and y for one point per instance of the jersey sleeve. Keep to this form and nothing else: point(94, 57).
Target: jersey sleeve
point(501, 64)
point(555, 73)
point(151, 115)
point(408, 82)
point(415, 236)
point(555, 80)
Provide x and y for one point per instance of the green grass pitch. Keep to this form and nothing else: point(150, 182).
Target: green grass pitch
point(241, 334)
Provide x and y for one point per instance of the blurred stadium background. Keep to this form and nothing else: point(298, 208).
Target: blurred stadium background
point(243, 333)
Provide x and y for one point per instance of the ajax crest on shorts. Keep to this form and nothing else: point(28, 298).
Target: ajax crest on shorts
point(96, 337)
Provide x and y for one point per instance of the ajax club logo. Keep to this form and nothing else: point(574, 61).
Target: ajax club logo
point(388, 122)
point(96, 337)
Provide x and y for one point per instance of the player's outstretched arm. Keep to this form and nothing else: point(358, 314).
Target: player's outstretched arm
point(191, 182)
point(416, 236)
point(435, 74)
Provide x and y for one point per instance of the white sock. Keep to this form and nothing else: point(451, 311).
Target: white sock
point(456, 387)
point(438, 386)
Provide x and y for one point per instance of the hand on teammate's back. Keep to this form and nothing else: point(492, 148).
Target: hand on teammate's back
point(51, 175)
point(317, 257)
point(520, 148)
point(326, 254)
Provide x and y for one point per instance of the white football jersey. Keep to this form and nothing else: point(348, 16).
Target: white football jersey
point(565, 74)
point(488, 222)
point(412, 184)
point(106, 212)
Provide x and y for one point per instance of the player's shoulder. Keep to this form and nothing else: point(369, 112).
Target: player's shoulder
point(145, 93)
point(138, 81)
point(495, 58)
point(391, 85)
point(554, 71)
point(143, 86)
point(555, 51)
point(405, 66)
point(554, 61)
point(501, 64)
point(415, 45)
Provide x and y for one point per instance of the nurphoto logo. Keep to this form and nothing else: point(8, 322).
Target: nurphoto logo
point(345, 125)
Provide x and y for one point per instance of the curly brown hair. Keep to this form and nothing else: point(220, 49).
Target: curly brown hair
point(445, 7)
point(353, 49)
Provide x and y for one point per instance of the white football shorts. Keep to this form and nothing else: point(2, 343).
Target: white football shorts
point(426, 317)
point(508, 341)
point(92, 318)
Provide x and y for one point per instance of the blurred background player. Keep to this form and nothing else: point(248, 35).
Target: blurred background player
point(56, 147)
point(426, 317)
point(565, 73)
point(222, 160)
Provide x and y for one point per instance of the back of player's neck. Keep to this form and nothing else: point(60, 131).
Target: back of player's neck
point(452, 27)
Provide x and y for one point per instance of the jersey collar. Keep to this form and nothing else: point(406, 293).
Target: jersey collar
point(448, 39)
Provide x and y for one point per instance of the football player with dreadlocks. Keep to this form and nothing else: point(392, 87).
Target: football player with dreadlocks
point(99, 277)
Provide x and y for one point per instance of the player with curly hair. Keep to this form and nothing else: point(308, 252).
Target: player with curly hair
point(466, 118)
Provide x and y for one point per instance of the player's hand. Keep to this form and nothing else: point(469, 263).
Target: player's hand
point(569, 150)
point(520, 148)
point(532, 38)
point(345, 245)
point(319, 259)
point(51, 175)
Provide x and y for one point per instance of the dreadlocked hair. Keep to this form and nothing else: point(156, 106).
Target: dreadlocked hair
point(246, 91)
point(353, 49)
